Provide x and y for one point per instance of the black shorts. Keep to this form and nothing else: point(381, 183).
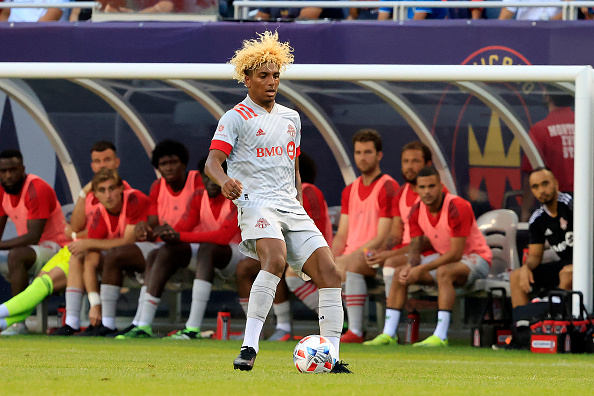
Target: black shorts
point(546, 276)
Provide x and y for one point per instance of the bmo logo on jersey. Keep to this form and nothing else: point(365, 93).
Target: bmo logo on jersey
point(276, 151)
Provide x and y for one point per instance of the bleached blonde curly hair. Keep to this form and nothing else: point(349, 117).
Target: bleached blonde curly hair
point(256, 52)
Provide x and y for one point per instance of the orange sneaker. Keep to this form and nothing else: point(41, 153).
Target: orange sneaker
point(351, 338)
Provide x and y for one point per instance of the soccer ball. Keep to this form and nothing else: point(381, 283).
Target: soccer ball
point(314, 354)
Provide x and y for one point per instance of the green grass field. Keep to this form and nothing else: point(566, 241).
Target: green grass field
point(46, 365)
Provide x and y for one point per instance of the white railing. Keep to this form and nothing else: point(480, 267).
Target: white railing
point(400, 8)
point(74, 4)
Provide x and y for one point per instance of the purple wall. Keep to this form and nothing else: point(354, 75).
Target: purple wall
point(422, 42)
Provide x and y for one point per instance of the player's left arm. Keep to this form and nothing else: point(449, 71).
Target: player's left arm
point(83, 245)
point(32, 237)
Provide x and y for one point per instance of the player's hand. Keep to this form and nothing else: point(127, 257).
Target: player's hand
point(142, 231)
point(166, 233)
point(232, 189)
point(375, 258)
point(78, 247)
point(404, 274)
point(526, 279)
point(414, 274)
point(67, 230)
point(95, 315)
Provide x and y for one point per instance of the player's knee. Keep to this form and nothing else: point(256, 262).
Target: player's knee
point(444, 275)
point(17, 258)
point(566, 278)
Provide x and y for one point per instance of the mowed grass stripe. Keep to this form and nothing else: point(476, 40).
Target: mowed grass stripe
point(46, 365)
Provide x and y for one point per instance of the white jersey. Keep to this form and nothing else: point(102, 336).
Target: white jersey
point(261, 149)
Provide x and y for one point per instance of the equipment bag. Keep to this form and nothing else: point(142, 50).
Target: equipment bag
point(559, 331)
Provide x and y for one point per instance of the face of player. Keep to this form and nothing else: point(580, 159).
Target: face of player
point(104, 159)
point(172, 169)
point(544, 186)
point(212, 189)
point(262, 85)
point(109, 195)
point(430, 191)
point(367, 158)
point(12, 174)
point(412, 162)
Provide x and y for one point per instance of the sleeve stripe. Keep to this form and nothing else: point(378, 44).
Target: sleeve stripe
point(222, 146)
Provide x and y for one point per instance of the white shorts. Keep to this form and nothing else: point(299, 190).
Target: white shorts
point(43, 252)
point(231, 267)
point(479, 268)
point(296, 229)
point(147, 247)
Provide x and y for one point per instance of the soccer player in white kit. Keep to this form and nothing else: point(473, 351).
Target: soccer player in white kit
point(260, 140)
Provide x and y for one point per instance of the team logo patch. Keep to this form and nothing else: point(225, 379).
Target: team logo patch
point(221, 127)
point(291, 130)
point(291, 150)
point(563, 223)
point(262, 223)
point(260, 133)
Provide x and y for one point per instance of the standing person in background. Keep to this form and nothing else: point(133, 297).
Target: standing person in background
point(554, 139)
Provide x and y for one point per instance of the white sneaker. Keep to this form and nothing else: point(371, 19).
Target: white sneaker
point(15, 329)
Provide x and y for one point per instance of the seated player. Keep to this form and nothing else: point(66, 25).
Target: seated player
point(103, 155)
point(365, 222)
point(552, 222)
point(169, 198)
point(112, 225)
point(31, 204)
point(448, 222)
point(206, 240)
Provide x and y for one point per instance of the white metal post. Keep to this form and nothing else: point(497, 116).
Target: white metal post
point(583, 213)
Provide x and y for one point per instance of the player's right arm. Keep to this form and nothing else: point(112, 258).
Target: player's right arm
point(78, 220)
point(231, 188)
point(535, 252)
point(221, 146)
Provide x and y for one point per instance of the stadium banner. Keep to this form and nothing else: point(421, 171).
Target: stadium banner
point(412, 42)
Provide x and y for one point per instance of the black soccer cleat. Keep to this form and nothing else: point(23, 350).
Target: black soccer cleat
point(64, 331)
point(97, 331)
point(245, 360)
point(341, 368)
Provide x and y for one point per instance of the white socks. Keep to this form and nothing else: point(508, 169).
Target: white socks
point(392, 320)
point(261, 298)
point(355, 295)
point(109, 301)
point(443, 324)
point(139, 309)
point(331, 316)
point(200, 296)
point(149, 309)
point(282, 312)
point(388, 273)
point(305, 291)
point(73, 306)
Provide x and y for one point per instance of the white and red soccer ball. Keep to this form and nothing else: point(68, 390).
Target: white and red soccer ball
point(314, 354)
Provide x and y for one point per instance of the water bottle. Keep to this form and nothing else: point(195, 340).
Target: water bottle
point(412, 327)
